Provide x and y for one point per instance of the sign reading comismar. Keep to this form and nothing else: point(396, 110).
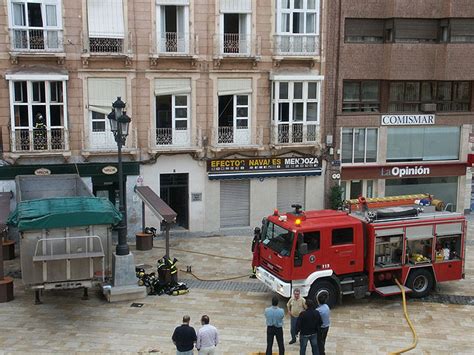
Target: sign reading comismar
point(407, 120)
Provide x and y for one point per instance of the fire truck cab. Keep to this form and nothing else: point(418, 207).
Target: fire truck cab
point(339, 253)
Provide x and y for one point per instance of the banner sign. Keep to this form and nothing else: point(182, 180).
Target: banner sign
point(407, 120)
point(257, 166)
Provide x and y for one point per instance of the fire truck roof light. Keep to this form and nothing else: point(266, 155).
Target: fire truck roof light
point(298, 221)
point(275, 212)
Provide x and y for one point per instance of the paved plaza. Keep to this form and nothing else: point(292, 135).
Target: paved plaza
point(65, 323)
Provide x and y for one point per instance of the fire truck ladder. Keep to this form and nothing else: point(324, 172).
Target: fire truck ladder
point(390, 201)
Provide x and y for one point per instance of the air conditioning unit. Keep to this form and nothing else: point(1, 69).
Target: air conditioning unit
point(428, 107)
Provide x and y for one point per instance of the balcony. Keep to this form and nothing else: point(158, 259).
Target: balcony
point(165, 139)
point(102, 143)
point(296, 45)
point(36, 40)
point(31, 140)
point(240, 137)
point(107, 47)
point(237, 45)
point(295, 133)
point(173, 44)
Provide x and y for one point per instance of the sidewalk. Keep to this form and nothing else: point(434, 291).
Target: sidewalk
point(65, 323)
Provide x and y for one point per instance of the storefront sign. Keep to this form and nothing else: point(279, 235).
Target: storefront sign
point(109, 170)
point(258, 167)
point(405, 171)
point(42, 172)
point(407, 120)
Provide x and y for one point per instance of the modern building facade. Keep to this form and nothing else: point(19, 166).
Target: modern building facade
point(226, 100)
point(402, 84)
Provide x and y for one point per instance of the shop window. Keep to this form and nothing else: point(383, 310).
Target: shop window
point(361, 96)
point(405, 144)
point(364, 30)
point(342, 236)
point(359, 145)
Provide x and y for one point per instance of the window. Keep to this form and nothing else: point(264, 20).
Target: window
point(297, 26)
point(172, 26)
point(100, 95)
point(296, 110)
point(361, 96)
point(312, 239)
point(278, 239)
point(234, 111)
point(36, 26)
point(359, 145)
point(106, 26)
point(416, 30)
point(405, 144)
point(38, 115)
point(235, 20)
point(342, 236)
point(364, 30)
point(462, 30)
point(410, 96)
point(355, 188)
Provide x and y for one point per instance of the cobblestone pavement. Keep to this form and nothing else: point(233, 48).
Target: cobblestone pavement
point(65, 323)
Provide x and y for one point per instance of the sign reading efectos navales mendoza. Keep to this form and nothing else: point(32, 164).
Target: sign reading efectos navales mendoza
point(407, 120)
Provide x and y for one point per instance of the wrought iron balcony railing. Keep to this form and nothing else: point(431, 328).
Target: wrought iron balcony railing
point(26, 39)
point(236, 44)
point(169, 138)
point(40, 140)
point(240, 136)
point(285, 133)
point(296, 44)
point(107, 46)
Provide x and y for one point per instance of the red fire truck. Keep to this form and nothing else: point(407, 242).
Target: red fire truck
point(339, 253)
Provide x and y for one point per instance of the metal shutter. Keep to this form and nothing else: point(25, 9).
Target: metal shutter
point(235, 203)
point(416, 29)
point(290, 190)
point(355, 27)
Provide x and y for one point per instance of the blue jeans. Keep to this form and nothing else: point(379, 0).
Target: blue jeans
point(293, 327)
point(189, 352)
point(313, 339)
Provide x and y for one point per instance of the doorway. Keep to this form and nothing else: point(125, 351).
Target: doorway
point(107, 189)
point(174, 191)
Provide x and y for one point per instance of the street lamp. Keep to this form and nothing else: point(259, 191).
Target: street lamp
point(119, 125)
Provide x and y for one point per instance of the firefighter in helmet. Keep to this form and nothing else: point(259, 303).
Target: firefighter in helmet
point(40, 132)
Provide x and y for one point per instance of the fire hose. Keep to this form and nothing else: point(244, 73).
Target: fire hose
point(211, 255)
point(415, 336)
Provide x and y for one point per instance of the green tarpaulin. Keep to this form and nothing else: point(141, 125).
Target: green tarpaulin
point(61, 212)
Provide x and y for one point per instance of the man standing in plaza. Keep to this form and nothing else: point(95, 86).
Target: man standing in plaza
point(207, 337)
point(325, 313)
point(295, 305)
point(184, 337)
point(309, 326)
point(274, 317)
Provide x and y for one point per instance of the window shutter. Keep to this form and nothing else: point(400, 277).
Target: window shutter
point(105, 18)
point(462, 27)
point(235, 6)
point(234, 86)
point(172, 86)
point(364, 27)
point(409, 29)
point(102, 92)
point(172, 2)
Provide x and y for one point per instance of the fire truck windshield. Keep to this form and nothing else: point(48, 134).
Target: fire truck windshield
point(278, 239)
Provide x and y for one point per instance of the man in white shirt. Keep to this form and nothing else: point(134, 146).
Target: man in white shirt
point(207, 337)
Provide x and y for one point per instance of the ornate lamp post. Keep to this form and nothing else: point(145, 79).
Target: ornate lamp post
point(119, 125)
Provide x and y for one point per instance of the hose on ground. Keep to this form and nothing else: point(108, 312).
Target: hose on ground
point(415, 336)
point(206, 254)
point(224, 279)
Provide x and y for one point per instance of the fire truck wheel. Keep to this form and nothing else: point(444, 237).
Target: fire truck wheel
point(421, 282)
point(323, 287)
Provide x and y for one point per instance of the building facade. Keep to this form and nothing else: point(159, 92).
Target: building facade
point(226, 101)
point(402, 85)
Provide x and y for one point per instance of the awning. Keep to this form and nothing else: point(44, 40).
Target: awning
point(5, 198)
point(37, 72)
point(156, 204)
point(263, 174)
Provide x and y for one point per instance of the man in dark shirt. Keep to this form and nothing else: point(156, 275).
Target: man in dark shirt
point(309, 326)
point(184, 338)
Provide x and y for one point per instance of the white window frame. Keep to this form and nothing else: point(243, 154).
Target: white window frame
point(291, 100)
point(47, 28)
point(346, 188)
point(158, 9)
point(247, 33)
point(291, 10)
point(365, 145)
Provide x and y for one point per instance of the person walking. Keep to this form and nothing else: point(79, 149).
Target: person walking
point(325, 314)
point(207, 337)
point(274, 317)
point(295, 305)
point(309, 326)
point(184, 337)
